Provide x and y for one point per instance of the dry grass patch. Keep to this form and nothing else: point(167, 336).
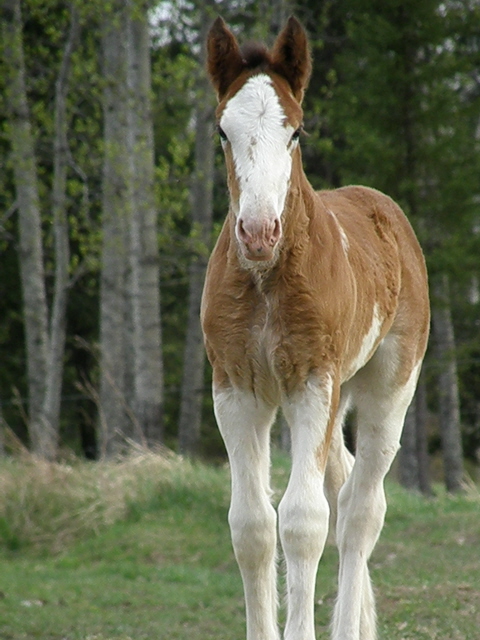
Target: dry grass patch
point(49, 505)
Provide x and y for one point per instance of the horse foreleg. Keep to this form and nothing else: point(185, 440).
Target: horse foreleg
point(304, 511)
point(244, 423)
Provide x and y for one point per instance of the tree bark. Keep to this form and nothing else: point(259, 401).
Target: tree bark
point(114, 423)
point(449, 404)
point(421, 415)
point(50, 415)
point(201, 198)
point(2, 433)
point(413, 458)
point(408, 459)
point(30, 231)
point(144, 260)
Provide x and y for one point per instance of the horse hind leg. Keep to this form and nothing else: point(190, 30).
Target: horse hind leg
point(339, 465)
point(381, 409)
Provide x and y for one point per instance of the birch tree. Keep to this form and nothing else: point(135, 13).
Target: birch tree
point(50, 413)
point(2, 433)
point(131, 387)
point(449, 405)
point(45, 337)
point(413, 457)
point(29, 221)
point(201, 212)
point(144, 260)
point(113, 407)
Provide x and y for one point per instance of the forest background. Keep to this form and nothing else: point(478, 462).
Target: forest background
point(112, 191)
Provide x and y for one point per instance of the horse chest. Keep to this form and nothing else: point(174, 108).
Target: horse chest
point(265, 334)
point(282, 351)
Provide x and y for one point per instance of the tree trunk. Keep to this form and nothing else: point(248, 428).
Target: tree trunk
point(2, 432)
point(50, 418)
point(30, 231)
point(145, 271)
point(421, 415)
point(114, 423)
point(408, 459)
point(413, 457)
point(449, 405)
point(202, 195)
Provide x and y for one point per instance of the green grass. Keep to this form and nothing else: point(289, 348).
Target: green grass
point(152, 557)
point(427, 567)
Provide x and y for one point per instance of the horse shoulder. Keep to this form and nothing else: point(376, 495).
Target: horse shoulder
point(228, 300)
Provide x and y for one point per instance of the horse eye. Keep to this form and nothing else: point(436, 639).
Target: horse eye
point(222, 134)
point(296, 134)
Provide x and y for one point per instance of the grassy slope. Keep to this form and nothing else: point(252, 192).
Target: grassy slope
point(166, 570)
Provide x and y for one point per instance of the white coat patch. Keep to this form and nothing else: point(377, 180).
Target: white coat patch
point(368, 342)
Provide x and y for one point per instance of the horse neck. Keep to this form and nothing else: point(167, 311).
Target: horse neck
point(299, 208)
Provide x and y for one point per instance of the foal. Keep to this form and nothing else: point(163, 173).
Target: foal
point(314, 302)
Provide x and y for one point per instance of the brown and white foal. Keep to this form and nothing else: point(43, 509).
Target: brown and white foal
point(315, 302)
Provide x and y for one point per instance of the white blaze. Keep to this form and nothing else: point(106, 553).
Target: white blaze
point(254, 123)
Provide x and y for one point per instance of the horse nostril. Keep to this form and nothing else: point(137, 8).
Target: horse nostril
point(242, 234)
point(276, 232)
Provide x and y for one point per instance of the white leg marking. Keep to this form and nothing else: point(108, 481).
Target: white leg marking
point(244, 423)
point(339, 466)
point(362, 506)
point(303, 511)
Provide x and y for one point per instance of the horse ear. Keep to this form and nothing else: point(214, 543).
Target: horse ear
point(291, 57)
point(224, 60)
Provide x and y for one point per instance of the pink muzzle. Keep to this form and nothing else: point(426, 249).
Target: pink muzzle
point(258, 238)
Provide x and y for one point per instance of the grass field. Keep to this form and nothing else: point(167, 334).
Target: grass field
point(141, 550)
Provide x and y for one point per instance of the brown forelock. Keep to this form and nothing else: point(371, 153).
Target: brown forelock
point(255, 56)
